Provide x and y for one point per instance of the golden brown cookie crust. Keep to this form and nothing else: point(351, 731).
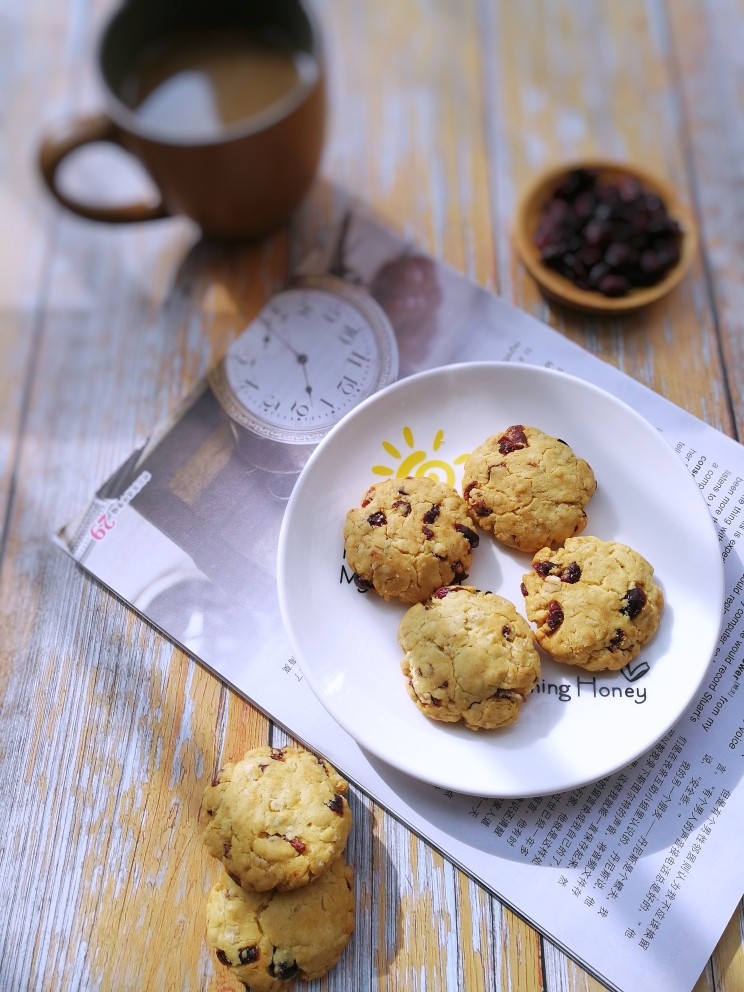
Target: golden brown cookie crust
point(409, 537)
point(528, 487)
point(594, 603)
point(468, 656)
point(266, 938)
point(277, 818)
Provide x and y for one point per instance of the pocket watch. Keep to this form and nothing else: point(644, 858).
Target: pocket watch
point(316, 350)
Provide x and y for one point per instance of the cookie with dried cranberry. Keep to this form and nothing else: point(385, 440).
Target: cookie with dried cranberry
point(266, 938)
point(409, 537)
point(468, 656)
point(277, 819)
point(594, 603)
point(528, 487)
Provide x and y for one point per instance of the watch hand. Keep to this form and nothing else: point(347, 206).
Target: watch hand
point(267, 329)
point(300, 356)
point(302, 359)
point(272, 332)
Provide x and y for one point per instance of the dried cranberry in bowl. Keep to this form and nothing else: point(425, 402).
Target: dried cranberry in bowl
point(609, 236)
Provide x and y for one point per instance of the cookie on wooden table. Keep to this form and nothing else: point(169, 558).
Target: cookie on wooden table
point(468, 656)
point(277, 818)
point(528, 487)
point(595, 603)
point(409, 537)
point(266, 938)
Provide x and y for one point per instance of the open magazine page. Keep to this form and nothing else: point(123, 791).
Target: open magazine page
point(633, 875)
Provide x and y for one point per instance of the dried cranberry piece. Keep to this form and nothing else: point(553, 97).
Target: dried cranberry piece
point(427, 532)
point(557, 211)
point(434, 701)
point(653, 262)
point(523, 588)
point(481, 510)
point(512, 439)
point(629, 189)
point(222, 957)
point(635, 599)
point(597, 233)
point(555, 615)
point(377, 519)
point(598, 272)
point(460, 574)
point(441, 592)
point(590, 255)
point(336, 805)
point(554, 252)
point(574, 267)
point(431, 515)
point(584, 205)
point(363, 585)
point(544, 568)
point(296, 843)
point(468, 489)
point(668, 255)
point(277, 753)
point(617, 639)
point(403, 506)
point(507, 632)
point(652, 203)
point(247, 955)
point(576, 182)
point(226, 848)
point(611, 285)
point(470, 536)
point(282, 969)
point(620, 253)
point(571, 573)
point(545, 234)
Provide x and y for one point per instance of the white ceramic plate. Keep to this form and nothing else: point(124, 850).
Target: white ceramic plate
point(575, 727)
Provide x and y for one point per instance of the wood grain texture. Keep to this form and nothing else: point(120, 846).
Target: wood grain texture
point(108, 734)
point(707, 40)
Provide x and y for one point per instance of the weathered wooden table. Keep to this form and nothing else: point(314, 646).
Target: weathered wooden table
point(440, 113)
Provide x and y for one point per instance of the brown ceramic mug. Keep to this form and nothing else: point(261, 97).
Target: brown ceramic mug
point(222, 101)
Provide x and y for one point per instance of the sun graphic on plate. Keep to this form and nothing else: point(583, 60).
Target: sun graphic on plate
point(417, 461)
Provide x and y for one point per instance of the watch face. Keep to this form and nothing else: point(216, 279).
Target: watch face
point(314, 352)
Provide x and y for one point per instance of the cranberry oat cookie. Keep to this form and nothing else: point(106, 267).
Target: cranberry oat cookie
point(527, 487)
point(595, 603)
point(277, 818)
point(468, 656)
point(266, 938)
point(409, 537)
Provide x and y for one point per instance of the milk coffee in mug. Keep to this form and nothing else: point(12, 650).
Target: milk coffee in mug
point(222, 102)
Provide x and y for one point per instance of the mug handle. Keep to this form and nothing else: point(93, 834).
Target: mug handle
point(66, 138)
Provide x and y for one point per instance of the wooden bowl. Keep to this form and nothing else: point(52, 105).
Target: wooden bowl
point(560, 288)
